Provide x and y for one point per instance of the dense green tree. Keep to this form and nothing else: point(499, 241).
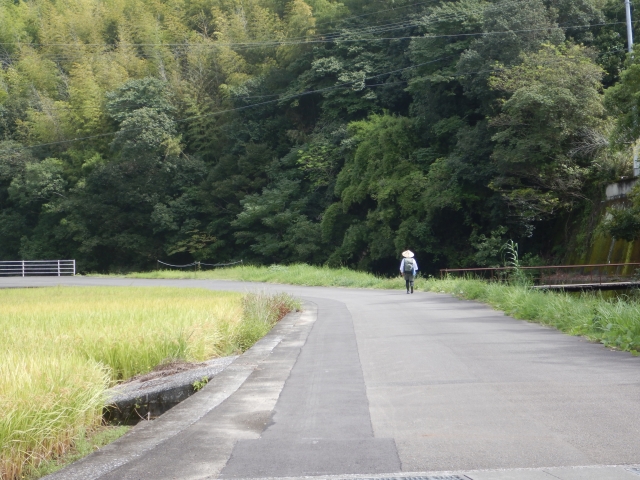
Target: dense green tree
point(623, 100)
point(320, 131)
point(555, 98)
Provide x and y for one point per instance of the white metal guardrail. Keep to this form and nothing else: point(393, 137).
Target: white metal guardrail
point(22, 268)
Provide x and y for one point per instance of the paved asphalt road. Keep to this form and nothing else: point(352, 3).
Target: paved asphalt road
point(377, 383)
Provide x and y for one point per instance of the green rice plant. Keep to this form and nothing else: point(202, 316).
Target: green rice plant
point(85, 443)
point(261, 312)
point(63, 347)
point(46, 401)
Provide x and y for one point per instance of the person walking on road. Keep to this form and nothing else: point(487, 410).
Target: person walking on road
point(408, 268)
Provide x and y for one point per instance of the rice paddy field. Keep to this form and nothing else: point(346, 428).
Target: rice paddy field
point(63, 347)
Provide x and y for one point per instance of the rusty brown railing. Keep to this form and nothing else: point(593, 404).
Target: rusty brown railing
point(598, 273)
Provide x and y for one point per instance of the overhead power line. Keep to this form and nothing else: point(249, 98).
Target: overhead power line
point(288, 97)
point(246, 97)
point(343, 39)
point(280, 99)
point(385, 26)
point(244, 107)
point(268, 102)
point(69, 108)
point(372, 13)
point(399, 24)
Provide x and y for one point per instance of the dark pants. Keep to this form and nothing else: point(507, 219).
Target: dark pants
point(408, 278)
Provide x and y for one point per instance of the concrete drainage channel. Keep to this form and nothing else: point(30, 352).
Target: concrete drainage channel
point(154, 394)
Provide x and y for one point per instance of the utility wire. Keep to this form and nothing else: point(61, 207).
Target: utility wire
point(243, 97)
point(282, 99)
point(96, 107)
point(220, 112)
point(400, 24)
point(372, 13)
point(384, 27)
point(315, 91)
point(324, 37)
point(321, 40)
point(318, 39)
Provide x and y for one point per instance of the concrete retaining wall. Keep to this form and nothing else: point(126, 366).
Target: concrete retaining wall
point(143, 399)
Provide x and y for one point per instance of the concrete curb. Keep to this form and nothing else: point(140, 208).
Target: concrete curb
point(147, 435)
point(143, 400)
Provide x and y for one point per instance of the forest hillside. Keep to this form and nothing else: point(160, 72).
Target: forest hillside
point(315, 131)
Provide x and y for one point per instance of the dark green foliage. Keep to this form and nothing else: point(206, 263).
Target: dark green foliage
point(307, 131)
point(555, 98)
point(624, 223)
point(623, 100)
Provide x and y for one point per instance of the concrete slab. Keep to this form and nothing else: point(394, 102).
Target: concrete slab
point(458, 385)
point(150, 398)
point(137, 389)
point(592, 473)
point(282, 457)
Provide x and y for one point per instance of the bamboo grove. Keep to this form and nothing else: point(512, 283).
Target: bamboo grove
point(316, 131)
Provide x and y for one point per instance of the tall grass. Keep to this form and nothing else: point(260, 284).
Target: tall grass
point(89, 441)
point(614, 322)
point(63, 347)
point(298, 274)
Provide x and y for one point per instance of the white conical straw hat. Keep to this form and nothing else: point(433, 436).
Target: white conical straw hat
point(407, 254)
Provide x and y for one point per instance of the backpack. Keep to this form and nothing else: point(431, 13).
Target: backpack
point(408, 265)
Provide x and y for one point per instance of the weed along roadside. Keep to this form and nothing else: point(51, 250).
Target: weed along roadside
point(615, 322)
point(64, 347)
